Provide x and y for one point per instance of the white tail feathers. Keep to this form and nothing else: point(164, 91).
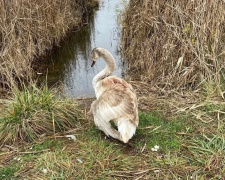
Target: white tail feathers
point(126, 128)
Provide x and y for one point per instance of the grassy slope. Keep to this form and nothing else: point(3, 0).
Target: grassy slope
point(185, 151)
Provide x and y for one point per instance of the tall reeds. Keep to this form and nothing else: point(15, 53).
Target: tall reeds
point(28, 28)
point(176, 44)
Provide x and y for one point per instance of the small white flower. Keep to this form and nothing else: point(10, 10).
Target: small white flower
point(153, 149)
point(71, 137)
point(191, 177)
point(17, 159)
point(157, 171)
point(79, 161)
point(45, 171)
point(30, 148)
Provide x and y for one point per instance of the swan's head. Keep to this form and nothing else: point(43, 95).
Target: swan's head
point(95, 55)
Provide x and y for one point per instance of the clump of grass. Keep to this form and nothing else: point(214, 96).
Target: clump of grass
point(36, 111)
point(208, 150)
point(175, 43)
point(8, 172)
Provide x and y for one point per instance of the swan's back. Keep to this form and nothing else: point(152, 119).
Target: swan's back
point(108, 82)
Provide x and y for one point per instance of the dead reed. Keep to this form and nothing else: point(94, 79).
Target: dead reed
point(176, 44)
point(30, 27)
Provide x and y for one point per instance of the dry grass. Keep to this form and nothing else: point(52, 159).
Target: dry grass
point(36, 112)
point(186, 151)
point(191, 144)
point(176, 44)
point(28, 28)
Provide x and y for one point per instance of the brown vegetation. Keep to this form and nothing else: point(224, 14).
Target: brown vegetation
point(28, 28)
point(175, 43)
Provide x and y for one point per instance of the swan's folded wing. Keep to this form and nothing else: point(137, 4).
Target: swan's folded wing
point(113, 80)
point(115, 102)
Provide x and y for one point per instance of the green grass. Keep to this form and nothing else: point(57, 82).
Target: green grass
point(9, 171)
point(185, 152)
point(209, 154)
point(36, 111)
point(156, 130)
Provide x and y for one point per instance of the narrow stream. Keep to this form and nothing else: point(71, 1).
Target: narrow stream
point(71, 63)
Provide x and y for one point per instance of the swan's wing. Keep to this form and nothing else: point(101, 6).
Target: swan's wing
point(112, 80)
point(108, 82)
point(115, 102)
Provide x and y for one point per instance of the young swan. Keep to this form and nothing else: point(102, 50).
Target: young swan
point(116, 100)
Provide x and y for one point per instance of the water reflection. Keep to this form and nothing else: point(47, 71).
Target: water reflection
point(71, 62)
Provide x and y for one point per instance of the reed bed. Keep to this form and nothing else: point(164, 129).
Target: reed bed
point(176, 44)
point(30, 27)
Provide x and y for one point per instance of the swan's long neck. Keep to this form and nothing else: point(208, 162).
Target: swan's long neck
point(108, 70)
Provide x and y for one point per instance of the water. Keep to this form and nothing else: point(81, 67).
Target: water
point(71, 63)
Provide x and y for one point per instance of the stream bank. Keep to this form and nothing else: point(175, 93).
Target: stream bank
point(28, 29)
point(70, 63)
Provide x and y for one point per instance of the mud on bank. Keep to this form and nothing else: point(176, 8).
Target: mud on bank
point(29, 28)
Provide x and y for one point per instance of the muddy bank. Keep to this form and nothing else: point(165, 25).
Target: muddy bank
point(29, 28)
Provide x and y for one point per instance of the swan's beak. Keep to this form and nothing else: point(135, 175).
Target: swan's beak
point(93, 63)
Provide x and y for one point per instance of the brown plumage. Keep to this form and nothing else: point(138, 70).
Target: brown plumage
point(116, 100)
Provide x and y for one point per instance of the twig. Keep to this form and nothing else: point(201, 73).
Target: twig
point(155, 129)
point(148, 127)
point(120, 175)
point(143, 148)
point(34, 152)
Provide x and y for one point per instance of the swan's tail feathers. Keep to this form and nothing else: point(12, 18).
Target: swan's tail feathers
point(126, 129)
point(107, 128)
